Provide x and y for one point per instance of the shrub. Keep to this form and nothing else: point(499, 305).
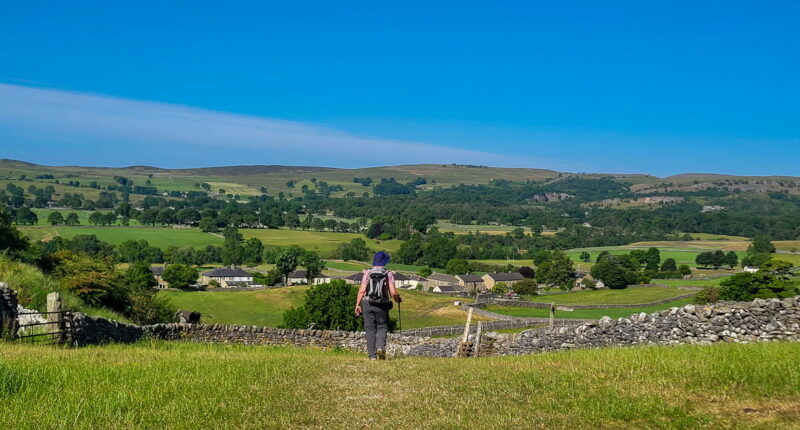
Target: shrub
point(179, 275)
point(525, 287)
point(500, 288)
point(329, 307)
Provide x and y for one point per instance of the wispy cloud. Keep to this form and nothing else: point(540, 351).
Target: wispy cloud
point(38, 117)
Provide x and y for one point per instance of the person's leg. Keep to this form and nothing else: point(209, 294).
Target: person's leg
point(370, 327)
point(382, 326)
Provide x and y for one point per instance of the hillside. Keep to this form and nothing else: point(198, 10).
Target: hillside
point(183, 385)
point(247, 179)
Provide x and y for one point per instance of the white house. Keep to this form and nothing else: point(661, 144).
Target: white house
point(749, 269)
point(225, 275)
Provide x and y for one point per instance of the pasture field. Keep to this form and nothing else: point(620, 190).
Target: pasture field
point(787, 245)
point(323, 242)
point(162, 237)
point(681, 255)
point(583, 313)
point(446, 227)
point(689, 282)
point(266, 307)
point(704, 245)
point(83, 216)
point(608, 296)
point(711, 236)
point(185, 385)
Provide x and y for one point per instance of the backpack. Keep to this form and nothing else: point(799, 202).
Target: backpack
point(378, 286)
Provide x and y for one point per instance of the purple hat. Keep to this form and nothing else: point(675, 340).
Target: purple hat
point(381, 259)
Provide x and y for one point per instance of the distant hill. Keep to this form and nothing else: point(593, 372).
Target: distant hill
point(248, 179)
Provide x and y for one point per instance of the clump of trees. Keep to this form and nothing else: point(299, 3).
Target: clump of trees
point(773, 280)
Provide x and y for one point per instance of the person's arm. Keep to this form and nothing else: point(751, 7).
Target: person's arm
point(393, 288)
point(361, 291)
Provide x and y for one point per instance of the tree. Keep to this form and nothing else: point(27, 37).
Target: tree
point(540, 256)
point(55, 218)
point(684, 270)
point(25, 216)
point(731, 259)
point(585, 256)
point(717, 259)
point(613, 273)
point(704, 259)
point(253, 251)
point(139, 277)
point(526, 287)
point(527, 272)
point(232, 252)
point(286, 263)
point(652, 259)
point(457, 267)
point(425, 272)
point(669, 265)
point(292, 220)
point(95, 218)
point(93, 280)
point(558, 271)
point(72, 219)
point(179, 275)
point(761, 244)
point(355, 250)
point(11, 240)
point(313, 265)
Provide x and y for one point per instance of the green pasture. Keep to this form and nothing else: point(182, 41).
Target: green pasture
point(321, 241)
point(607, 296)
point(199, 386)
point(582, 314)
point(161, 237)
point(266, 307)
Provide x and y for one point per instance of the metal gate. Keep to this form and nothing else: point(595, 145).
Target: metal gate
point(53, 330)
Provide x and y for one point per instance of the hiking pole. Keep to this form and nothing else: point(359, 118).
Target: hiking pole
point(399, 317)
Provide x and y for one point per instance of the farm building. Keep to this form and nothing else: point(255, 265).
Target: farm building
point(446, 289)
point(749, 269)
point(437, 279)
point(224, 275)
point(490, 279)
point(409, 281)
point(157, 272)
point(470, 282)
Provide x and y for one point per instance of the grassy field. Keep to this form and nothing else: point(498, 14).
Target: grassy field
point(266, 307)
point(445, 227)
point(321, 241)
point(183, 385)
point(607, 296)
point(582, 314)
point(83, 216)
point(161, 237)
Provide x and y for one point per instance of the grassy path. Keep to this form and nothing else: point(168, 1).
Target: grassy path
point(182, 385)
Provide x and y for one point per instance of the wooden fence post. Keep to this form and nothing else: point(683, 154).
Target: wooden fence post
point(477, 348)
point(552, 314)
point(55, 315)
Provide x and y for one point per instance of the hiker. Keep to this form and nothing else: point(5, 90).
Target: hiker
point(377, 286)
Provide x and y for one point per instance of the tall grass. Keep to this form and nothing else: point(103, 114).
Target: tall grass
point(179, 385)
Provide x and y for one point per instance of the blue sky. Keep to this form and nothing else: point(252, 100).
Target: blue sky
point(652, 87)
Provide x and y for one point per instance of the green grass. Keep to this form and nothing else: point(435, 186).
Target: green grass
point(321, 241)
point(608, 296)
point(83, 216)
point(161, 237)
point(583, 314)
point(183, 385)
point(689, 282)
point(352, 266)
point(266, 307)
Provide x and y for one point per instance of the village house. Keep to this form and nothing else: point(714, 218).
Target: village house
point(582, 279)
point(749, 269)
point(400, 280)
point(470, 282)
point(324, 279)
point(227, 277)
point(414, 281)
point(298, 277)
point(157, 272)
point(441, 279)
point(490, 279)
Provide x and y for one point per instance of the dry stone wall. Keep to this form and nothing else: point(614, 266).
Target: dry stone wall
point(757, 321)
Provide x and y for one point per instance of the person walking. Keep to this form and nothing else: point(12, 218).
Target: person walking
point(373, 302)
